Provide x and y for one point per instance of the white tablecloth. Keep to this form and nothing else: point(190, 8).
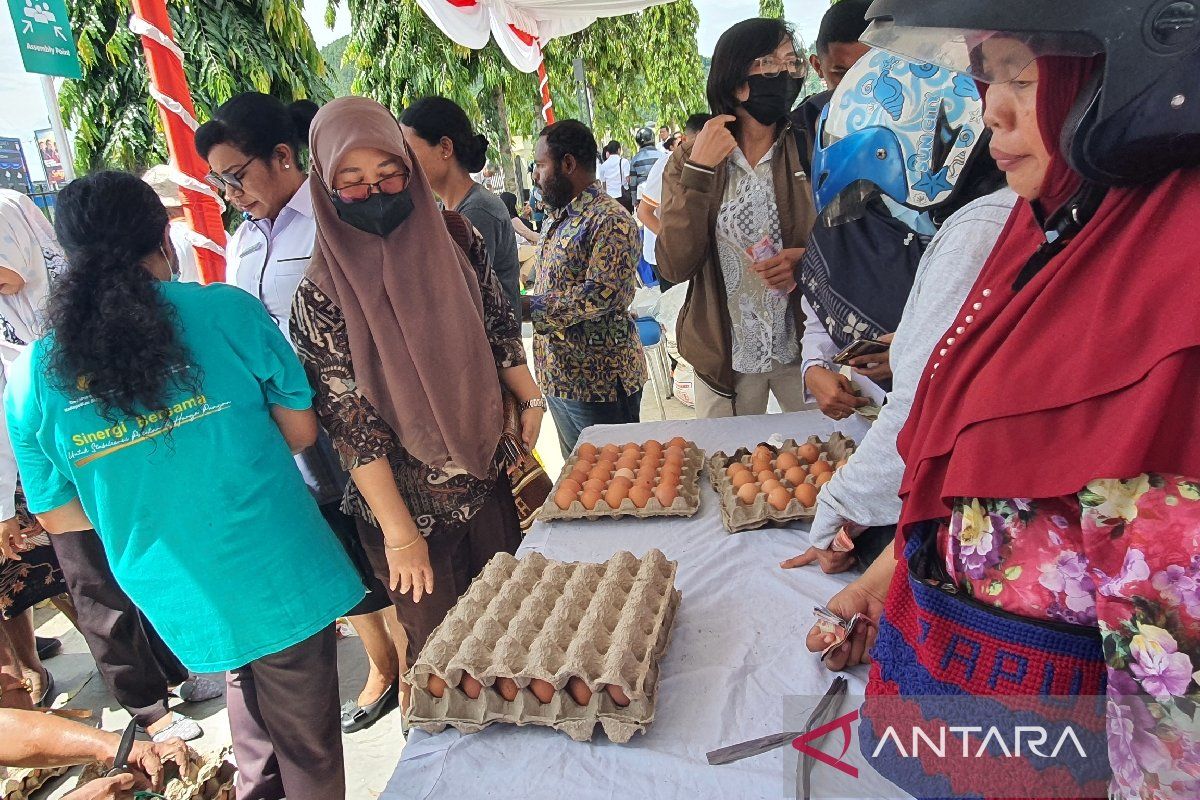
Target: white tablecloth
point(737, 651)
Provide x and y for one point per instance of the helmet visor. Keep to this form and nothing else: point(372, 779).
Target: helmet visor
point(988, 56)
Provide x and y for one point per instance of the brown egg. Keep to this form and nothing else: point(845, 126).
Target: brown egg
point(653, 447)
point(666, 494)
point(507, 688)
point(617, 492)
point(471, 687)
point(764, 451)
point(588, 450)
point(580, 474)
point(675, 453)
point(595, 484)
point(806, 493)
point(795, 476)
point(601, 472)
point(617, 694)
point(808, 452)
point(823, 479)
point(747, 493)
point(679, 442)
point(649, 464)
point(627, 462)
point(820, 468)
point(626, 473)
point(435, 686)
point(579, 691)
point(630, 448)
point(647, 478)
point(542, 690)
point(735, 468)
point(779, 497)
point(742, 478)
point(669, 476)
point(610, 450)
point(565, 496)
point(765, 475)
point(786, 461)
point(590, 498)
point(640, 495)
point(759, 465)
point(770, 485)
point(571, 484)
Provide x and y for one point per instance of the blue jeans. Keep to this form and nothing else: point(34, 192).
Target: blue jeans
point(572, 416)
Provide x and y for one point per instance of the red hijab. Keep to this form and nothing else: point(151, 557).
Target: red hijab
point(1091, 370)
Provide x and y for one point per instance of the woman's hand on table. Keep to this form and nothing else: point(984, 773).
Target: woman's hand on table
point(408, 564)
point(856, 598)
point(833, 392)
point(831, 561)
point(878, 366)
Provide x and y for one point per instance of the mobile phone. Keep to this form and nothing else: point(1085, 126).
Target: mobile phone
point(860, 347)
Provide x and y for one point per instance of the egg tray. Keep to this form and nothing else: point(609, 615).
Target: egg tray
point(19, 783)
point(607, 624)
point(685, 505)
point(760, 513)
point(208, 777)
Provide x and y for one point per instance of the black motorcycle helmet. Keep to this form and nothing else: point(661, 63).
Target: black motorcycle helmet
point(644, 137)
point(1140, 118)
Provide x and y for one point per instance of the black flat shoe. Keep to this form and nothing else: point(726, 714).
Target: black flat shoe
point(48, 648)
point(357, 718)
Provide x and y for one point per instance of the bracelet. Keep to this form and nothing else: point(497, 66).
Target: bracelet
point(405, 547)
point(537, 402)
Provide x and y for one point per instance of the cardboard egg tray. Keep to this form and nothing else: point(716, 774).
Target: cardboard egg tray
point(207, 777)
point(605, 624)
point(20, 783)
point(738, 517)
point(685, 505)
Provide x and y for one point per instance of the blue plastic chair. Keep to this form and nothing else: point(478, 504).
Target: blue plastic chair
point(657, 363)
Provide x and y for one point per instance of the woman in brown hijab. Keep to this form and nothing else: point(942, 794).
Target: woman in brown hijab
point(408, 340)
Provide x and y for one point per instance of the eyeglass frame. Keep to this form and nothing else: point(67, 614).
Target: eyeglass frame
point(377, 186)
point(224, 181)
point(760, 63)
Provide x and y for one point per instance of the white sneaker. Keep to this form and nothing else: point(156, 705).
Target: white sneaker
point(182, 728)
point(197, 690)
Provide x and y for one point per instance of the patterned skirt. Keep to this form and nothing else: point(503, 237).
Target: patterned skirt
point(37, 576)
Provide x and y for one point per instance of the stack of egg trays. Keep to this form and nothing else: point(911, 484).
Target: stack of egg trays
point(605, 623)
point(685, 505)
point(738, 517)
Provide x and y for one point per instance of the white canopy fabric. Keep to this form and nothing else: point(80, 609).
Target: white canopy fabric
point(521, 26)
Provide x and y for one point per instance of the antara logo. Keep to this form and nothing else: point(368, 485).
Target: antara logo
point(1025, 737)
point(842, 723)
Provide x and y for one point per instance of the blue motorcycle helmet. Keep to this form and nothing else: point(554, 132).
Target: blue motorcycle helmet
point(894, 128)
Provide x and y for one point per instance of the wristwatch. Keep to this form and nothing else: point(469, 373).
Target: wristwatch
point(537, 402)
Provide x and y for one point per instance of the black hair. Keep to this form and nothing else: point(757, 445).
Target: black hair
point(843, 23)
point(695, 123)
point(435, 117)
point(612, 148)
point(570, 136)
point(666, 128)
point(510, 202)
point(113, 332)
point(256, 124)
point(734, 54)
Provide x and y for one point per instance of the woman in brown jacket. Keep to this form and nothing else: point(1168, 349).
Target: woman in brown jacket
point(736, 212)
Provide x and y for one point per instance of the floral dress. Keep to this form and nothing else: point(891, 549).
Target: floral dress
point(1124, 556)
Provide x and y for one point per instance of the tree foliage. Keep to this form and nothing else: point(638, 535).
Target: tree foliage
point(770, 8)
point(230, 46)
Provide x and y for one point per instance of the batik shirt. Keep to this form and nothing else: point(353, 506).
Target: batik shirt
point(764, 328)
point(1124, 556)
point(585, 344)
point(436, 497)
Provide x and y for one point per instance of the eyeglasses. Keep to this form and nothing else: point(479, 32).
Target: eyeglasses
point(359, 192)
point(224, 181)
point(770, 66)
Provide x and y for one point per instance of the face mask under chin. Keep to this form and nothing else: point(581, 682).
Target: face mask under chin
point(379, 214)
point(772, 98)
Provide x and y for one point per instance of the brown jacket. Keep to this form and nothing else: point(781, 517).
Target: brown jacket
point(686, 251)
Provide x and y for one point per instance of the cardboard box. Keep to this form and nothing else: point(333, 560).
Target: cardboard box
point(208, 777)
point(685, 505)
point(536, 619)
point(739, 517)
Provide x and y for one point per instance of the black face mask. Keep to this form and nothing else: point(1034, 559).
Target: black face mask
point(771, 98)
point(379, 214)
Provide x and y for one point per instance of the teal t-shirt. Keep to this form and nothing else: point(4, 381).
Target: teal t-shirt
point(208, 525)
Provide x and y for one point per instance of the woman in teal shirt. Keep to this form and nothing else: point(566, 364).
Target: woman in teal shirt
point(167, 414)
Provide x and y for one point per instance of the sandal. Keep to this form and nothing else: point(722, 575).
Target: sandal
point(357, 718)
point(48, 693)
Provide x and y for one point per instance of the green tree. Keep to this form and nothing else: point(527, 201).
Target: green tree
point(341, 72)
point(230, 46)
point(770, 8)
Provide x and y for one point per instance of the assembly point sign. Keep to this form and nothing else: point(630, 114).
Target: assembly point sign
point(44, 36)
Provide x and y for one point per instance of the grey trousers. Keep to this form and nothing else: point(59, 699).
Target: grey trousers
point(284, 717)
point(134, 663)
point(785, 381)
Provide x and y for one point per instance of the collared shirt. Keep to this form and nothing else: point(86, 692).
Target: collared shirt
point(268, 258)
point(613, 172)
point(585, 344)
point(764, 329)
point(651, 192)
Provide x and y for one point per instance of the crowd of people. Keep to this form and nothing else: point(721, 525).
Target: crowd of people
point(965, 231)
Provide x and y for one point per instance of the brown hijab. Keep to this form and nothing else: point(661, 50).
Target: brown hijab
point(412, 304)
